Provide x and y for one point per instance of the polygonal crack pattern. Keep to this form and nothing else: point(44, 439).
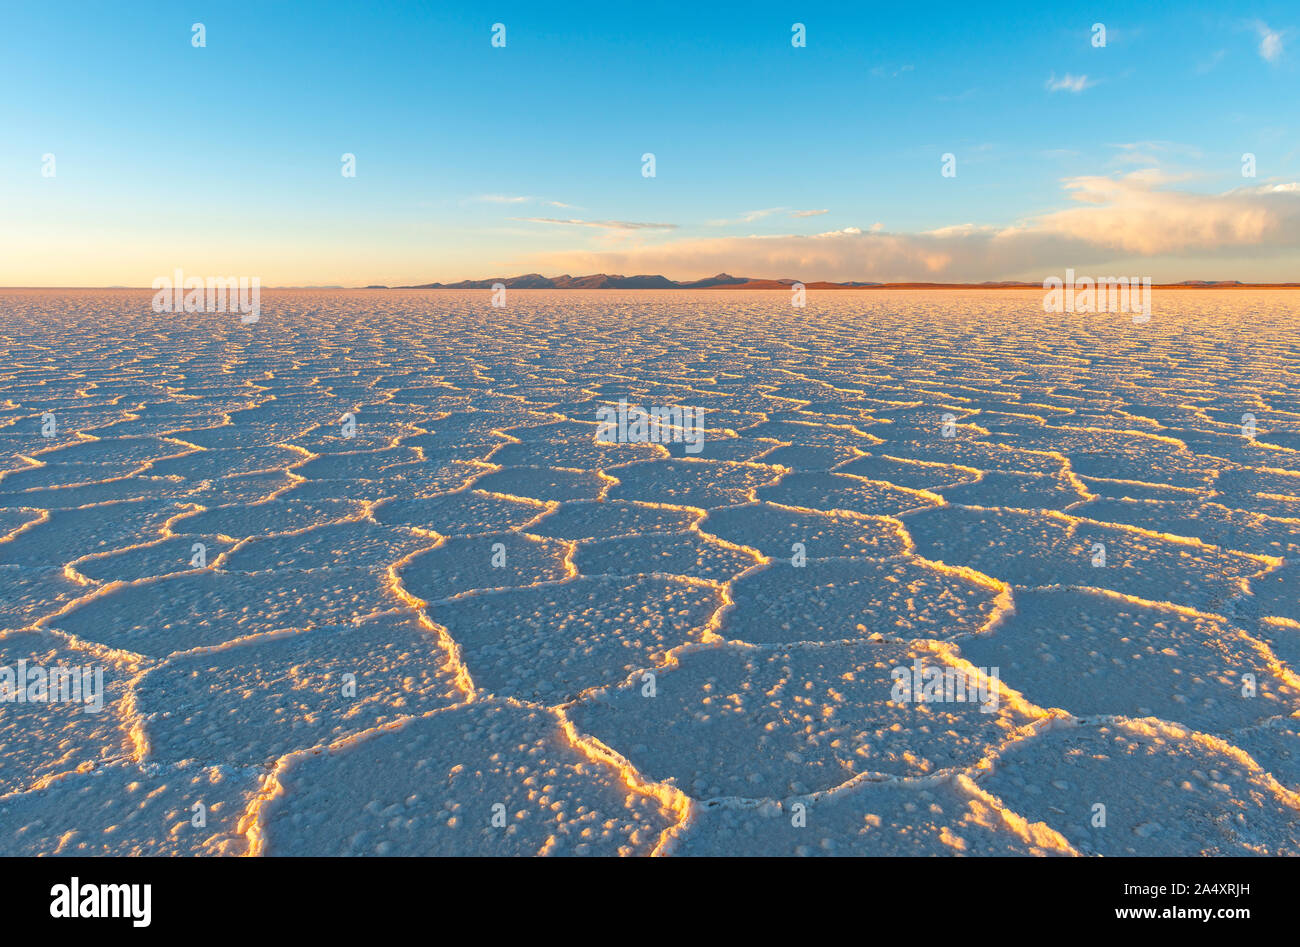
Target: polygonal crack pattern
point(363, 578)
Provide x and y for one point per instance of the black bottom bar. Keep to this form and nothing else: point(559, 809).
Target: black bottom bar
point(333, 897)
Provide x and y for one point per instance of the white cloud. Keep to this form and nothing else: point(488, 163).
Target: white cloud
point(1070, 83)
point(1270, 42)
point(808, 213)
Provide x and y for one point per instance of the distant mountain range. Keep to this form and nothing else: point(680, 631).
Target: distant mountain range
point(607, 281)
point(726, 281)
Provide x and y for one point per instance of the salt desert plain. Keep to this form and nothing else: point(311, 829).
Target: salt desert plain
point(462, 626)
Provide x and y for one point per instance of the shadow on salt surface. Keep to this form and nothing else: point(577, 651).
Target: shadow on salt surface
point(238, 489)
point(1271, 449)
point(774, 531)
point(178, 613)
point(912, 474)
point(464, 564)
point(815, 432)
point(1167, 791)
point(582, 455)
point(939, 817)
point(1129, 490)
point(834, 491)
point(608, 519)
point(458, 514)
point(551, 642)
point(543, 483)
point(40, 739)
point(695, 483)
point(1278, 594)
point(292, 410)
point(158, 558)
point(66, 534)
point(808, 458)
point(1213, 524)
point(27, 594)
point(838, 600)
point(125, 810)
point(406, 481)
point(1023, 491)
point(54, 475)
point(1035, 548)
point(751, 723)
point(429, 787)
point(243, 521)
point(525, 427)
point(720, 448)
point(1246, 484)
point(1090, 653)
point(1275, 745)
point(251, 703)
point(361, 465)
point(136, 489)
point(1120, 454)
point(332, 546)
point(1174, 470)
point(686, 553)
point(369, 434)
point(227, 436)
point(960, 452)
point(440, 448)
point(224, 461)
point(111, 453)
point(14, 519)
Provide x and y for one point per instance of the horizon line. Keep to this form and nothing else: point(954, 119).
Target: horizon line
point(699, 285)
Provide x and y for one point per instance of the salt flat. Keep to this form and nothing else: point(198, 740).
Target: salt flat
point(362, 579)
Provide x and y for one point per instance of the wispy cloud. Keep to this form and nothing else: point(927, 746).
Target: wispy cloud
point(750, 216)
point(1270, 42)
point(1070, 83)
point(1215, 58)
point(600, 224)
point(1149, 154)
point(513, 199)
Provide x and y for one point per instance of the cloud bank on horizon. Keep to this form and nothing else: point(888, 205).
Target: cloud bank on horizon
point(1126, 218)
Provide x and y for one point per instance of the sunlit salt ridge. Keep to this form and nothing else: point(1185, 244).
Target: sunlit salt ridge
point(430, 601)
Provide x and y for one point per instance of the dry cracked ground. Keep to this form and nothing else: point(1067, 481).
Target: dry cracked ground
point(362, 580)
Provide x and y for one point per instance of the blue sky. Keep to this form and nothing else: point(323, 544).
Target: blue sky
point(472, 160)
